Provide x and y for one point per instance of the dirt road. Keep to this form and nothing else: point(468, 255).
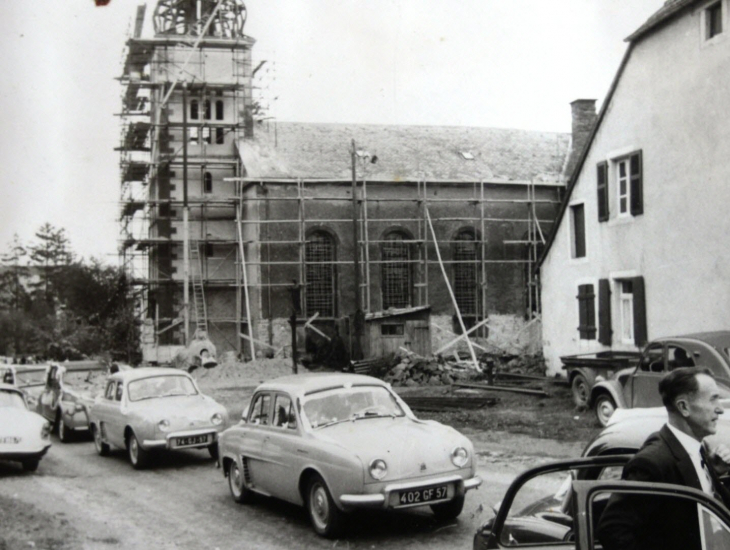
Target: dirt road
point(80, 500)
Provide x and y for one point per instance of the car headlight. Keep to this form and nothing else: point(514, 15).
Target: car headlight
point(164, 425)
point(216, 419)
point(459, 456)
point(46, 431)
point(378, 469)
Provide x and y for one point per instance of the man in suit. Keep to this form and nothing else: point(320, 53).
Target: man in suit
point(675, 454)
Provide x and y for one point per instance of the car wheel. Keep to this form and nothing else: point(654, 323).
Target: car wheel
point(137, 455)
point(213, 451)
point(239, 491)
point(101, 448)
point(63, 432)
point(30, 465)
point(449, 510)
point(327, 520)
point(581, 391)
point(604, 406)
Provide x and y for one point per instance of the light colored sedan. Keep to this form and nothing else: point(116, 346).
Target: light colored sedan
point(25, 436)
point(145, 409)
point(339, 442)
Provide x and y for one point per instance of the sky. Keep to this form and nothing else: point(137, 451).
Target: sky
point(493, 63)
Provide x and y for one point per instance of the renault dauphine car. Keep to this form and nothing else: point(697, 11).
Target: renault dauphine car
point(339, 442)
point(24, 435)
point(146, 409)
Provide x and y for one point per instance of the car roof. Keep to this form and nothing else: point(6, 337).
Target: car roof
point(9, 387)
point(146, 372)
point(717, 339)
point(302, 384)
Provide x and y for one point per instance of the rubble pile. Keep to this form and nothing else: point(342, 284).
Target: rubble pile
point(420, 371)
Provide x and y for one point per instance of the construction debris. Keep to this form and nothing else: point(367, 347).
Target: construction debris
point(513, 389)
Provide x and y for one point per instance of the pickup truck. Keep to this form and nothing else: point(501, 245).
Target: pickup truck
point(69, 391)
point(609, 380)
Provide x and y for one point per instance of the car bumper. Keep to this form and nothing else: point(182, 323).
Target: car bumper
point(388, 497)
point(171, 440)
point(24, 454)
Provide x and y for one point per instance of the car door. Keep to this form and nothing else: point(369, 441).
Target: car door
point(538, 509)
point(106, 413)
point(644, 390)
point(704, 523)
point(258, 426)
point(282, 453)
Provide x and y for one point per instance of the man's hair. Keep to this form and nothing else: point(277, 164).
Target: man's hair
point(681, 381)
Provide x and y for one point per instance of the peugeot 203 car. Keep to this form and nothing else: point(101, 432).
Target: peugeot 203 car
point(339, 442)
point(146, 409)
point(24, 435)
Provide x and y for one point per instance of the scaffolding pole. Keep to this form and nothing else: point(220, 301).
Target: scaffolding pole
point(249, 321)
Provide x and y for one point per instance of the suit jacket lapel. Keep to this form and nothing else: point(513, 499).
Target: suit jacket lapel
point(684, 462)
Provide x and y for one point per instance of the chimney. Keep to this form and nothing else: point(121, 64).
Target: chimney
point(584, 118)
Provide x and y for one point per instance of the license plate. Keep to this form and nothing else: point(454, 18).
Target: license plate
point(419, 496)
point(191, 440)
point(10, 440)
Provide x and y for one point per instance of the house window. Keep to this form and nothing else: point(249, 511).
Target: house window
point(586, 312)
point(219, 135)
point(629, 185)
point(208, 250)
point(194, 109)
point(713, 20)
point(320, 275)
point(219, 110)
point(206, 135)
point(397, 279)
point(578, 228)
point(207, 183)
point(207, 109)
point(392, 329)
point(466, 274)
point(193, 135)
point(626, 310)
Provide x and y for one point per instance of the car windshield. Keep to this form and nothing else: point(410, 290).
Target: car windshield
point(160, 386)
point(11, 399)
point(337, 405)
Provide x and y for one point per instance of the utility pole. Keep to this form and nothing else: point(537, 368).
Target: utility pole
point(186, 208)
point(358, 320)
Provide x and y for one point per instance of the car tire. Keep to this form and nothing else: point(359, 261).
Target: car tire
point(327, 520)
point(213, 451)
point(102, 449)
point(581, 391)
point(138, 457)
point(236, 484)
point(604, 407)
point(449, 510)
point(30, 465)
point(63, 432)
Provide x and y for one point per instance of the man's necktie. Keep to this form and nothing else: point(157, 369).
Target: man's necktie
point(710, 473)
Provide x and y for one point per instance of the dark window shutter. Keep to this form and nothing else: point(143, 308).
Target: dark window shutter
point(579, 228)
point(637, 184)
point(586, 312)
point(640, 328)
point(604, 312)
point(602, 185)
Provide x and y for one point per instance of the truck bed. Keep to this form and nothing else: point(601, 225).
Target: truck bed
point(614, 360)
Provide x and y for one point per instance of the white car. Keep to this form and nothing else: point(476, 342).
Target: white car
point(24, 435)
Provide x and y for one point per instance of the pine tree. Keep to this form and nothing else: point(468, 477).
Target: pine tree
point(14, 277)
point(51, 253)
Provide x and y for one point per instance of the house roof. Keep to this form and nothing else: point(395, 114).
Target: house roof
point(669, 9)
point(286, 150)
point(666, 12)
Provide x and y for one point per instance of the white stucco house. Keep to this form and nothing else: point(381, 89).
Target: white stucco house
point(641, 248)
